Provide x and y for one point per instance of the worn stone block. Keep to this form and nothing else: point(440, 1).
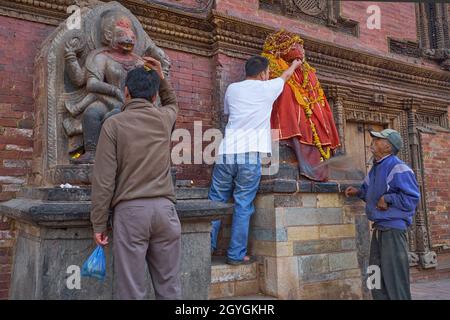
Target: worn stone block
point(284, 186)
point(330, 215)
point(246, 288)
point(260, 234)
point(264, 201)
point(320, 277)
point(262, 248)
point(280, 217)
point(281, 200)
point(348, 214)
point(313, 216)
point(348, 244)
point(225, 273)
point(329, 200)
point(337, 231)
point(287, 171)
point(352, 273)
point(303, 233)
point(221, 290)
point(316, 263)
point(315, 246)
point(268, 234)
point(363, 244)
point(263, 218)
point(325, 187)
point(304, 186)
point(301, 216)
point(271, 248)
point(343, 260)
point(269, 278)
point(281, 277)
point(265, 187)
point(346, 289)
point(336, 275)
point(309, 200)
point(268, 218)
point(352, 289)
point(196, 227)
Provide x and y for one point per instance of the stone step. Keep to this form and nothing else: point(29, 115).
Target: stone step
point(229, 281)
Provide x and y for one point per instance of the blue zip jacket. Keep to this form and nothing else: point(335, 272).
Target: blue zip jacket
point(394, 180)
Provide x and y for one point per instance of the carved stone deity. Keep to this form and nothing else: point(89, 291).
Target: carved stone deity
point(301, 114)
point(80, 77)
point(102, 78)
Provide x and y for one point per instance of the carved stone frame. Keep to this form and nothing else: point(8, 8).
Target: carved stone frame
point(329, 15)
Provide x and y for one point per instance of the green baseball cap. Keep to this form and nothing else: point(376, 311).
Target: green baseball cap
point(391, 135)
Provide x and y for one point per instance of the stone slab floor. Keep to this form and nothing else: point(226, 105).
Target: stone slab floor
point(429, 290)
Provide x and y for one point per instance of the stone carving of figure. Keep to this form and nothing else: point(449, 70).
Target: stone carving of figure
point(103, 75)
point(301, 114)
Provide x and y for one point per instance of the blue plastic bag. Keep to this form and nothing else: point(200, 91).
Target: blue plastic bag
point(95, 265)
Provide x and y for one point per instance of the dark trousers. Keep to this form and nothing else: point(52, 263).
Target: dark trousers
point(389, 251)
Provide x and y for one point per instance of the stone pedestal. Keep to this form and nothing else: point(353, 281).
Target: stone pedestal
point(310, 241)
point(306, 244)
point(54, 238)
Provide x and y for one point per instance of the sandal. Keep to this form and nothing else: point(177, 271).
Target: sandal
point(245, 261)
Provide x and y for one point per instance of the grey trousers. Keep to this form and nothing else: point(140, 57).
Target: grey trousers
point(147, 231)
point(389, 251)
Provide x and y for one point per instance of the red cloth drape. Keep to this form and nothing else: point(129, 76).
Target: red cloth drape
point(289, 118)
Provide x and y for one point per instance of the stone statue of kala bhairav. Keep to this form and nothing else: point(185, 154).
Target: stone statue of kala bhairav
point(301, 114)
point(96, 76)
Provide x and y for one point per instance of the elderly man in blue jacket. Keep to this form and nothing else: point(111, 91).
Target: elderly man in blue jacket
point(391, 194)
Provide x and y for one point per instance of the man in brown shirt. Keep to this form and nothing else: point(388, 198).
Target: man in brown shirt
point(132, 175)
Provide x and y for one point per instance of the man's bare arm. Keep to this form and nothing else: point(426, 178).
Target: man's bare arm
point(289, 72)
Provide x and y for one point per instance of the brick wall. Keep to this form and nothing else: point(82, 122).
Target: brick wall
point(398, 20)
point(200, 84)
point(19, 41)
point(192, 79)
point(437, 176)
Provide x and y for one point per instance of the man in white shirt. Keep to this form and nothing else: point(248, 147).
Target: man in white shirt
point(237, 171)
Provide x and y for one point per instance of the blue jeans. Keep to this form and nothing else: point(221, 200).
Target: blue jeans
point(237, 175)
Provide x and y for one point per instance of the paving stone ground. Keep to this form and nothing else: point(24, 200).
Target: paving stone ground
point(429, 290)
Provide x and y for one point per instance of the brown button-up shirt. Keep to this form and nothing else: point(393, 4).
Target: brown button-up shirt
point(132, 160)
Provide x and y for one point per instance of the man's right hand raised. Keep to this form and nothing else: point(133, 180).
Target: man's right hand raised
point(290, 71)
point(296, 63)
point(155, 65)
